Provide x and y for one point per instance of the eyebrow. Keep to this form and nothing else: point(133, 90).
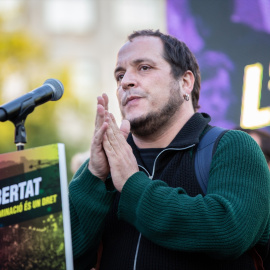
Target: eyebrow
point(136, 62)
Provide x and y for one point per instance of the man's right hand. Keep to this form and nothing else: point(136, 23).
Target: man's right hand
point(98, 164)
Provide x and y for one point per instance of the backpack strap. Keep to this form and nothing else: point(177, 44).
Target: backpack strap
point(204, 153)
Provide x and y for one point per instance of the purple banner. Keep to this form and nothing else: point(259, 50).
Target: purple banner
point(231, 40)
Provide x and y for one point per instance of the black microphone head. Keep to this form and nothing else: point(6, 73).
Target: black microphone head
point(57, 86)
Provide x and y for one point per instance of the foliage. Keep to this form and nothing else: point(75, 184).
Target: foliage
point(26, 56)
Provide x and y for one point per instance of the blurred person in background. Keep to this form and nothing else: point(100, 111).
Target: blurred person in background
point(137, 202)
point(216, 88)
point(77, 160)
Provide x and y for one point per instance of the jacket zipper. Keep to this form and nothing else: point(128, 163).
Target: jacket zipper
point(151, 177)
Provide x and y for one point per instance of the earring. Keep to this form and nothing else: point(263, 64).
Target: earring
point(186, 97)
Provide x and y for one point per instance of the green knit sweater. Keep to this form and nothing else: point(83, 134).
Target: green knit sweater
point(232, 217)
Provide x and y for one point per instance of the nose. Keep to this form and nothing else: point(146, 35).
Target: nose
point(128, 81)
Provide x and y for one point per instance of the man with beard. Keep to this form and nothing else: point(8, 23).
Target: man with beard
point(137, 204)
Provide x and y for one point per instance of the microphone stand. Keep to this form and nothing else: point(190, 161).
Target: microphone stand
point(19, 121)
point(20, 134)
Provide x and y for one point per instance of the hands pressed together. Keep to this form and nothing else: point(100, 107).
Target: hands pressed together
point(110, 151)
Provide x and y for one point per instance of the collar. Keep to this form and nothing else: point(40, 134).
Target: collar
point(189, 134)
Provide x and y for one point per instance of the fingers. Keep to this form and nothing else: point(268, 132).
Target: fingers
point(111, 137)
point(100, 113)
point(125, 128)
point(106, 125)
point(120, 156)
point(106, 101)
point(115, 130)
point(97, 142)
point(98, 163)
point(98, 138)
point(114, 139)
point(102, 106)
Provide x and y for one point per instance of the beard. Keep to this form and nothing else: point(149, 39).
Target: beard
point(155, 121)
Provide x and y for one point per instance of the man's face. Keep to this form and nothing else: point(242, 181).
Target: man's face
point(148, 94)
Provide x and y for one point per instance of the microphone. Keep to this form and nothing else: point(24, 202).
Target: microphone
point(52, 89)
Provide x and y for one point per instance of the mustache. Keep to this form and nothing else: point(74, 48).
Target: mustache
point(131, 95)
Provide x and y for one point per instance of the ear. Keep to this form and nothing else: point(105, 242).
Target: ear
point(188, 80)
